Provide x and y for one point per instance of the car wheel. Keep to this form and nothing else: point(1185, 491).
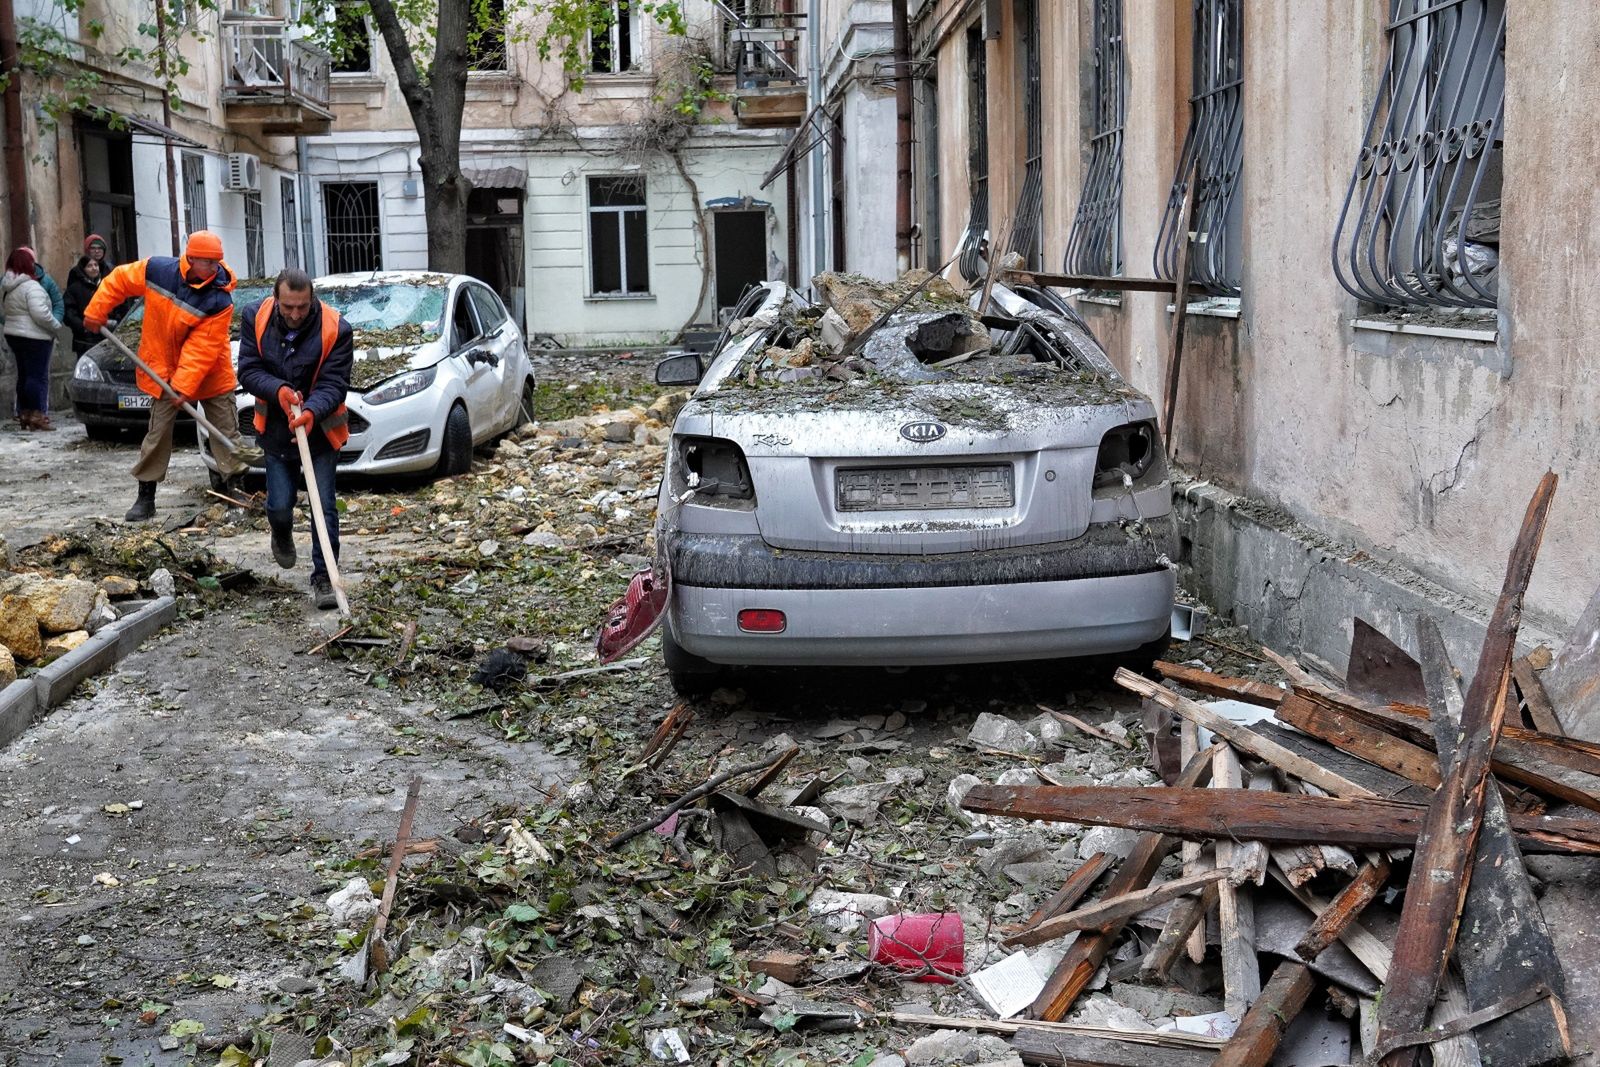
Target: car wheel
point(689, 675)
point(455, 453)
point(99, 431)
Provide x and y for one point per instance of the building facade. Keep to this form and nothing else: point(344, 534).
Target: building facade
point(1386, 341)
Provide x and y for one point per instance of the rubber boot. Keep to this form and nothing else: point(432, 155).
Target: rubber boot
point(143, 508)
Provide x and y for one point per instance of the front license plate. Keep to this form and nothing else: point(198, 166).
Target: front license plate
point(129, 402)
point(925, 488)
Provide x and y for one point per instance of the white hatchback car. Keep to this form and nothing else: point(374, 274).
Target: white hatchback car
point(439, 368)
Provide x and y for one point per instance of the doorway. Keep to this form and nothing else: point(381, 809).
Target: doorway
point(106, 157)
point(494, 245)
point(740, 239)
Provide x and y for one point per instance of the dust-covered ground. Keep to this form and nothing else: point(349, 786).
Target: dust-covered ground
point(173, 834)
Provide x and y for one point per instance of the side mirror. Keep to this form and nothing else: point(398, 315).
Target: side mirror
point(684, 368)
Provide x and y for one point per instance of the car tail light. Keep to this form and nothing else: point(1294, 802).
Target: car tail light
point(762, 621)
point(1127, 452)
point(714, 467)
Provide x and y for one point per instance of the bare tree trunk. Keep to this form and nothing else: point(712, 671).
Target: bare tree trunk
point(436, 105)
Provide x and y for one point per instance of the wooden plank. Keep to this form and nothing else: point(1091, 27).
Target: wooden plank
point(1220, 685)
point(1241, 737)
point(1236, 915)
point(1382, 783)
point(1256, 1040)
point(1250, 859)
point(1442, 868)
point(1068, 1050)
point(1540, 710)
point(1362, 740)
point(1187, 917)
point(1085, 728)
point(772, 772)
point(1276, 818)
point(1504, 945)
point(1160, 1039)
point(1125, 906)
point(1095, 281)
point(1193, 852)
point(1073, 889)
point(1363, 944)
point(1459, 1051)
point(1345, 906)
point(1089, 949)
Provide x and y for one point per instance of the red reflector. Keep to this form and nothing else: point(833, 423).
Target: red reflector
point(762, 621)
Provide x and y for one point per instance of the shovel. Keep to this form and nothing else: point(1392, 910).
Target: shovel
point(317, 518)
point(246, 454)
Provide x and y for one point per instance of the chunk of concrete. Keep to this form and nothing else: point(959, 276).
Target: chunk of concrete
point(61, 604)
point(859, 804)
point(944, 1047)
point(997, 731)
point(1114, 840)
point(845, 913)
point(959, 787)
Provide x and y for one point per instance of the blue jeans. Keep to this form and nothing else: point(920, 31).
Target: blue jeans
point(283, 485)
point(33, 372)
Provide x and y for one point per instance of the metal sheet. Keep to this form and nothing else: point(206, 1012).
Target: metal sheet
point(1381, 670)
point(1280, 924)
point(1573, 679)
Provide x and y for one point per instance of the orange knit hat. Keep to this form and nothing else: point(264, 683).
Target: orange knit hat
point(203, 244)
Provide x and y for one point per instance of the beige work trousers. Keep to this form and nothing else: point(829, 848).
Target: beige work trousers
point(155, 453)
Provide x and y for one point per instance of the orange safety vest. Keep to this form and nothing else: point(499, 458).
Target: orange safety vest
point(336, 427)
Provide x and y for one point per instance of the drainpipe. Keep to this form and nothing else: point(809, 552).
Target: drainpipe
point(819, 221)
point(166, 120)
point(303, 206)
point(15, 166)
point(902, 107)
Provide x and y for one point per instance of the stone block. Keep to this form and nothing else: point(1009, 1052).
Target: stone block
point(19, 628)
point(19, 701)
point(56, 681)
point(133, 630)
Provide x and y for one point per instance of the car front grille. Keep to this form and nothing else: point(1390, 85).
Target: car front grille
point(412, 444)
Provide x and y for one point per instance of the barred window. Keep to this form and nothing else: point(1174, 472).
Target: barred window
point(1420, 225)
point(194, 192)
point(254, 245)
point(1094, 247)
point(288, 200)
point(1211, 156)
point(977, 154)
point(1027, 237)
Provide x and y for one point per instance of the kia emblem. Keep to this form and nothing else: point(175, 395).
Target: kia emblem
point(922, 433)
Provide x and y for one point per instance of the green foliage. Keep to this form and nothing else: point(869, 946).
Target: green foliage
point(568, 25)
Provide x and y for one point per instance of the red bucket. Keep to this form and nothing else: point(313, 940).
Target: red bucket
point(916, 941)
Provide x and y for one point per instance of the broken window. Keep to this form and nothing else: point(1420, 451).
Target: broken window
point(619, 260)
point(1421, 220)
point(254, 242)
point(1211, 156)
point(350, 211)
point(194, 192)
point(352, 32)
point(486, 36)
point(290, 208)
point(1094, 248)
point(1027, 234)
point(972, 243)
point(611, 49)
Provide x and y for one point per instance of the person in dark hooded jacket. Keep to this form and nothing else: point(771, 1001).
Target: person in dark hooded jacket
point(82, 281)
point(295, 357)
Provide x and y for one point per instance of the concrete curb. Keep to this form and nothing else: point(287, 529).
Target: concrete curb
point(26, 700)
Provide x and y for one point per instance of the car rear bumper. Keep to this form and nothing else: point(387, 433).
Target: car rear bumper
point(943, 624)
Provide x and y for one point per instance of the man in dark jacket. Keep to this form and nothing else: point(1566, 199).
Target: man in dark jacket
point(295, 355)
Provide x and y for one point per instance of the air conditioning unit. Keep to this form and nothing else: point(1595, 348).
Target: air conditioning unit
point(244, 173)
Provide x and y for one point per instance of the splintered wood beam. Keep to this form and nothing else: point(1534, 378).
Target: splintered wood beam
point(1256, 1040)
point(1540, 710)
point(1220, 685)
point(1236, 913)
point(1362, 740)
point(1187, 916)
point(1078, 883)
point(1102, 913)
point(1246, 814)
point(1365, 946)
point(1192, 851)
point(1090, 948)
point(1241, 737)
point(1343, 909)
point(1442, 867)
point(1504, 945)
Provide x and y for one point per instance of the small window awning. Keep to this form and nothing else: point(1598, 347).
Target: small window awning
point(496, 177)
point(812, 131)
point(136, 125)
point(745, 203)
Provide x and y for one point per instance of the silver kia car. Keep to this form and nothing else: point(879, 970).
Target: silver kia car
point(937, 486)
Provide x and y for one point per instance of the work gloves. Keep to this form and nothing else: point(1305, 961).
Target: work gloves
point(287, 399)
point(301, 421)
point(92, 323)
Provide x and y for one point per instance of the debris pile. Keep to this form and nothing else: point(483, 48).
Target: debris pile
point(42, 617)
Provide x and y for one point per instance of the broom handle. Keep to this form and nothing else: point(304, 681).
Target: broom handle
point(190, 408)
point(317, 518)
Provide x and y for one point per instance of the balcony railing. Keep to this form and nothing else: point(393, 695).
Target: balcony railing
point(266, 63)
point(761, 43)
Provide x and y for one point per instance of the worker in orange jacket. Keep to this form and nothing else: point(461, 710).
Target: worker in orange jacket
point(188, 310)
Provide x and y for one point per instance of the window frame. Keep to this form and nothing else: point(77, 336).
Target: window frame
point(492, 38)
point(328, 232)
point(195, 213)
point(463, 299)
point(371, 69)
point(255, 235)
point(289, 215)
point(1094, 245)
point(977, 83)
point(620, 211)
point(633, 54)
point(1027, 221)
point(481, 294)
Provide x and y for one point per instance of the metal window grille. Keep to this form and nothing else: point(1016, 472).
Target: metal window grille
point(1212, 152)
point(933, 246)
point(1027, 235)
point(619, 259)
point(972, 243)
point(350, 217)
point(254, 240)
point(289, 203)
point(1094, 247)
point(194, 192)
point(1421, 220)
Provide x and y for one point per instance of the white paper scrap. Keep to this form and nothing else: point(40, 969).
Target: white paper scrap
point(1010, 985)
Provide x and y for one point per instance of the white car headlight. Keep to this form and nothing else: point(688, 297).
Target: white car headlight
point(87, 370)
point(407, 384)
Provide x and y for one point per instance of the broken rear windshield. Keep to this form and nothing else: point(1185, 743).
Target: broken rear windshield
point(388, 306)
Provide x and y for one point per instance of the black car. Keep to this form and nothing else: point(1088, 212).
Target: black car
point(105, 396)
